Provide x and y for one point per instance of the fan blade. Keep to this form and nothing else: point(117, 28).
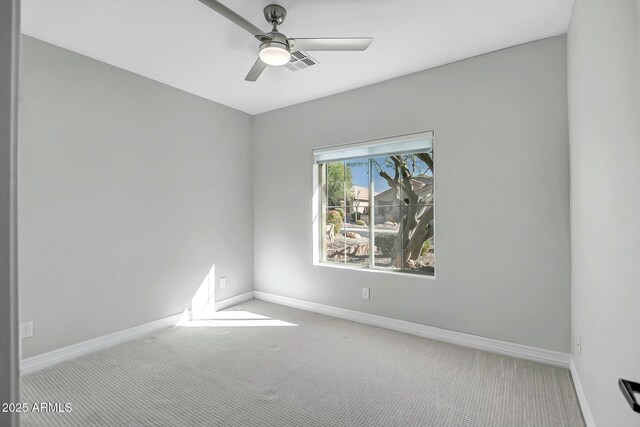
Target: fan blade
point(235, 18)
point(256, 70)
point(343, 43)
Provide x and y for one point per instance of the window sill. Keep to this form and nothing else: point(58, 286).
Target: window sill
point(373, 270)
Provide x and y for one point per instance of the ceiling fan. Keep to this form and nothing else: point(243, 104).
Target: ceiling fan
point(275, 47)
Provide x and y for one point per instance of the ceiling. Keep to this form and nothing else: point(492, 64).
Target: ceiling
point(184, 44)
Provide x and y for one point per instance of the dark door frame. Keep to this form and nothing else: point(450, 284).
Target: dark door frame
point(9, 330)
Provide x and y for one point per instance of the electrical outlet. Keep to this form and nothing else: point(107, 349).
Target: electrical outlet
point(365, 293)
point(579, 344)
point(26, 329)
point(223, 282)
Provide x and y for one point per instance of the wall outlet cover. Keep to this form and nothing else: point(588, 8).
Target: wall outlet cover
point(223, 282)
point(26, 329)
point(579, 344)
point(365, 293)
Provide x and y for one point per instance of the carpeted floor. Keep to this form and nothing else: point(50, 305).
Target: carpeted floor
point(269, 365)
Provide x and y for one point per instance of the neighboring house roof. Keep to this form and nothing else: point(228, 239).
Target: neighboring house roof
point(362, 193)
point(422, 185)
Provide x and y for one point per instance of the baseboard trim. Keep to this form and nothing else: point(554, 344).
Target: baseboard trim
point(229, 302)
point(45, 360)
point(548, 357)
point(582, 398)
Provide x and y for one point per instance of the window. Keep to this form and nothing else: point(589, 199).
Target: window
point(375, 205)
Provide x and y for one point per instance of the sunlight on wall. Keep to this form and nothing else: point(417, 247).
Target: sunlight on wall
point(202, 303)
point(202, 312)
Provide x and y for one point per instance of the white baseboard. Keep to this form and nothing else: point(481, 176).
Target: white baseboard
point(41, 361)
point(535, 354)
point(582, 399)
point(238, 299)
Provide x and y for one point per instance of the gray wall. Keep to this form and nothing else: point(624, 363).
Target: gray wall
point(129, 191)
point(9, 353)
point(502, 195)
point(604, 116)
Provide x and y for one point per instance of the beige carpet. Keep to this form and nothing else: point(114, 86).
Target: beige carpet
point(295, 368)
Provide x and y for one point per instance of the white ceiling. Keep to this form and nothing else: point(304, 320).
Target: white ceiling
point(186, 45)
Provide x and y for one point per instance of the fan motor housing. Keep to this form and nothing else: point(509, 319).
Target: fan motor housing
point(277, 40)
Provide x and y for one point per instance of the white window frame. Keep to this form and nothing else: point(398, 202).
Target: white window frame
point(402, 144)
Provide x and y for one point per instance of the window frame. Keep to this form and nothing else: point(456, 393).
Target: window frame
point(319, 205)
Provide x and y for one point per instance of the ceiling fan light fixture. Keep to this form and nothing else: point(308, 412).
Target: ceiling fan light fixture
point(275, 48)
point(274, 53)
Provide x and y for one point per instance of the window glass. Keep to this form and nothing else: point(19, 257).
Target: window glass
point(379, 212)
